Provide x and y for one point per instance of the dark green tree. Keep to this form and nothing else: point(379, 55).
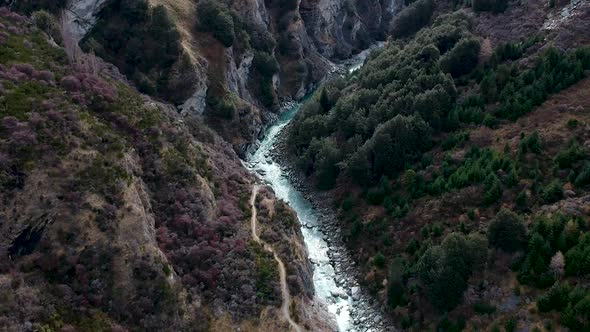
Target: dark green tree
point(488, 87)
point(395, 283)
point(412, 18)
point(326, 165)
point(215, 17)
point(493, 188)
point(325, 101)
point(553, 192)
point(507, 231)
point(444, 270)
point(462, 58)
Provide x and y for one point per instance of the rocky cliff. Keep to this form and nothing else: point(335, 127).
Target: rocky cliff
point(341, 28)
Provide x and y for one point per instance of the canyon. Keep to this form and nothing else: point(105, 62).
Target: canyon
point(294, 165)
point(320, 32)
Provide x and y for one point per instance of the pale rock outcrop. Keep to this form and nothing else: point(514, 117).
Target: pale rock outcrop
point(81, 16)
point(573, 206)
point(197, 102)
point(253, 11)
point(237, 75)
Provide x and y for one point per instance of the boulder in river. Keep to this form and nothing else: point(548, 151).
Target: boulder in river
point(356, 293)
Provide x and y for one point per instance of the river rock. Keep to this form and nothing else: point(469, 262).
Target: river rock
point(356, 293)
point(337, 293)
point(569, 193)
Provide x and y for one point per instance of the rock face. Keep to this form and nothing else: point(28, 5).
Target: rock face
point(196, 104)
point(81, 16)
point(340, 28)
point(571, 206)
point(237, 76)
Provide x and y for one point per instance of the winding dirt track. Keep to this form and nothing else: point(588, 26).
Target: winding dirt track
point(282, 271)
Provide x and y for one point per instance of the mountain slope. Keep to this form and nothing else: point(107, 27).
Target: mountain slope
point(118, 213)
point(458, 159)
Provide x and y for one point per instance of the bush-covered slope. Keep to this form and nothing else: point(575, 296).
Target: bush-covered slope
point(143, 42)
point(118, 214)
point(393, 104)
point(458, 160)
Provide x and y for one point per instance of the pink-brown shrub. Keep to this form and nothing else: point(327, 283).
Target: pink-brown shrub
point(4, 160)
point(70, 83)
point(47, 105)
point(13, 30)
point(94, 84)
point(25, 68)
point(44, 75)
point(14, 75)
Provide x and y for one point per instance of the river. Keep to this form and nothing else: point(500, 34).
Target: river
point(333, 284)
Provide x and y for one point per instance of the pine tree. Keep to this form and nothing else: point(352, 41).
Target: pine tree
point(507, 231)
point(488, 87)
point(521, 200)
point(512, 179)
point(493, 190)
point(325, 101)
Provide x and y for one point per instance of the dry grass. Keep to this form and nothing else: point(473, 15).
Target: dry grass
point(518, 22)
point(550, 120)
point(183, 13)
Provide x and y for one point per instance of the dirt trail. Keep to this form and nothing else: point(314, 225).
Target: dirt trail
point(282, 271)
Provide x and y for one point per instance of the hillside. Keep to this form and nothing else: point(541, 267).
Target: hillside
point(457, 158)
point(117, 213)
